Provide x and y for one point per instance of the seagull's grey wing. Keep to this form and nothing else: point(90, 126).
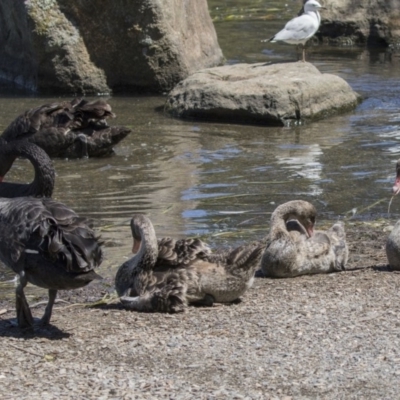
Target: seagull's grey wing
point(297, 29)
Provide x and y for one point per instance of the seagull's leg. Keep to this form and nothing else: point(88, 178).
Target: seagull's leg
point(49, 308)
point(24, 315)
point(304, 53)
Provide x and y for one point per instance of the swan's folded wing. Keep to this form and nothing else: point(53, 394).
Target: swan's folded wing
point(245, 257)
point(30, 122)
point(318, 245)
point(48, 229)
point(181, 253)
point(11, 248)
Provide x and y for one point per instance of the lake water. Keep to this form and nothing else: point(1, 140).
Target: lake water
point(222, 181)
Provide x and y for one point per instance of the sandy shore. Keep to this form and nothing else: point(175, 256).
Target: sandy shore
point(325, 336)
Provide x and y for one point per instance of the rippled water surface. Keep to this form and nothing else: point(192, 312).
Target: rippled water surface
point(222, 181)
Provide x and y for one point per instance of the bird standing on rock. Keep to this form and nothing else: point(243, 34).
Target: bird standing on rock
point(298, 30)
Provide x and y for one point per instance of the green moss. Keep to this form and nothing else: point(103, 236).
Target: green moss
point(45, 14)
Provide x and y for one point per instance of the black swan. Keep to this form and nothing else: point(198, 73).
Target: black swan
point(49, 246)
point(294, 248)
point(43, 183)
point(43, 241)
point(69, 129)
point(166, 275)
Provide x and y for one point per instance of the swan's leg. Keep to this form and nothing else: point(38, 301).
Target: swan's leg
point(170, 300)
point(137, 303)
point(45, 320)
point(24, 315)
point(159, 301)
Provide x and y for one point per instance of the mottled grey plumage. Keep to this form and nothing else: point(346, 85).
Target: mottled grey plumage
point(393, 247)
point(168, 274)
point(295, 249)
point(393, 241)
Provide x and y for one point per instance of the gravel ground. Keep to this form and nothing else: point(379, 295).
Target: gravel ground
point(331, 336)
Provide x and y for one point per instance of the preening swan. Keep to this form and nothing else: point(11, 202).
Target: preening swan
point(168, 274)
point(294, 248)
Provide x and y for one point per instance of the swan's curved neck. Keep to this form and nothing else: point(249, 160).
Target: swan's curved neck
point(43, 183)
point(303, 212)
point(146, 257)
point(279, 218)
point(278, 224)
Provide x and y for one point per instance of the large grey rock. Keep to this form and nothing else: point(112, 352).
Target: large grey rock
point(62, 58)
point(275, 94)
point(97, 46)
point(17, 58)
point(361, 21)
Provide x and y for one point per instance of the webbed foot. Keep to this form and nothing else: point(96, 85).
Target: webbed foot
point(45, 320)
point(206, 301)
point(24, 315)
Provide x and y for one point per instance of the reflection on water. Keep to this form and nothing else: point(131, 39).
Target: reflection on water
point(222, 181)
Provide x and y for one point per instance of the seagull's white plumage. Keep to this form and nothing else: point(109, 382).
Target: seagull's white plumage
point(302, 28)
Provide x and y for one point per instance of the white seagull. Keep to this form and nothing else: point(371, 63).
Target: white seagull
point(298, 30)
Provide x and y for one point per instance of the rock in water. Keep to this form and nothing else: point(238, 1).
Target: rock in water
point(90, 47)
point(275, 94)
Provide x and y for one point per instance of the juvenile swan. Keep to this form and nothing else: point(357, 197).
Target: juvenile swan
point(168, 274)
point(393, 241)
point(393, 247)
point(295, 249)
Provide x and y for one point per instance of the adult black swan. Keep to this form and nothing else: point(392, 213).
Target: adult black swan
point(44, 241)
point(69, 129)
point(48, 245)
point(43, 183)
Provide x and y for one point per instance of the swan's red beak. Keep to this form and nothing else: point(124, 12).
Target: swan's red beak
point(310, 231)
point(396, 186)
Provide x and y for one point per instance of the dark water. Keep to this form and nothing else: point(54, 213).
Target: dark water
point(222, 181)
